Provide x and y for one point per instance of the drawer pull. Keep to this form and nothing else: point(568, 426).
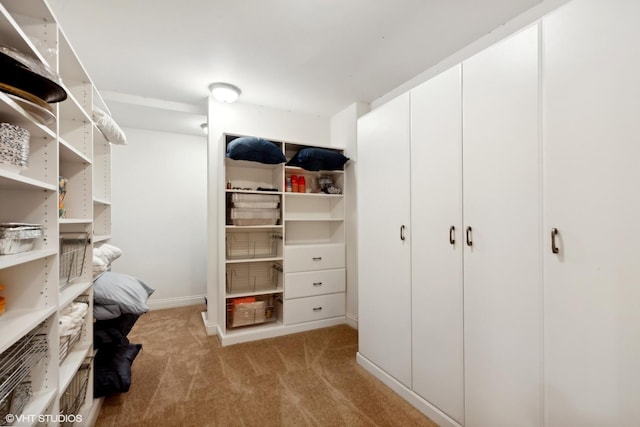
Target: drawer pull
point(317, 258)
point(317, 283)
point(317, 308)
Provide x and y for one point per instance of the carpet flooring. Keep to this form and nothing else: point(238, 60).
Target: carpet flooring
point(182, 377)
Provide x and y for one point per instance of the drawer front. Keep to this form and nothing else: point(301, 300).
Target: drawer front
point(314, 308)
point(312, 283)
point(313, 257)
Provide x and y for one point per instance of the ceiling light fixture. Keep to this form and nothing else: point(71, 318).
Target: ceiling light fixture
point(225, 92)
point(205, 128)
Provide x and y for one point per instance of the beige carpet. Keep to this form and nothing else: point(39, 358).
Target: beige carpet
point(182, 377)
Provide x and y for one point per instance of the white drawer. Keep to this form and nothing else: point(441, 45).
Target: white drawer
point(312, 283)
point(313, 257)
point(314, 308)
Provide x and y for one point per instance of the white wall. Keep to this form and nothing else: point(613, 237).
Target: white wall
point(248, 120)
point(344, 134)
point(159, 190)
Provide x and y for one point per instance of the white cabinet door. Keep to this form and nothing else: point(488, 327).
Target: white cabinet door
point(436, 207)
point(502, 268)
point(384, 288)
point(591, 178)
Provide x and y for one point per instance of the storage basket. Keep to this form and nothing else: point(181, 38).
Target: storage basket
point(252, 277)
point(251, 311)
point(14, 147)
point(68, 341)
point(252, 244)
point(73, 251)
point(75, 395)
point(15, 401)
point(17, 361)
point(243, 216)
point(254, 198)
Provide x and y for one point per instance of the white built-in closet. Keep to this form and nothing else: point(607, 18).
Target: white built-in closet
point(498, 285)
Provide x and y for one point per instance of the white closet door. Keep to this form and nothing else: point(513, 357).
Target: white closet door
point(436, 207)
point(502, 269)
point(384, 288)
point(591, 180)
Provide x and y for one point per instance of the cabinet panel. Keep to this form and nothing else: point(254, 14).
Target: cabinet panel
point(502, 268)
point(314, 283)
point(314, 308)
point(384, 257)
point(591, 93)
point(313, 257)
point(436, 263)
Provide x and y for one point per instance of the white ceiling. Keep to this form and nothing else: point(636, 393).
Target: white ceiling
point(306, 56)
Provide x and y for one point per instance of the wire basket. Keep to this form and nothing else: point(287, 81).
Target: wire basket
point(253, 276)
point(15, 402)
point(73, 253)
point(17, 361)
point(251, 311)
point(76, 393)
point(68, 342)
point(252, 244)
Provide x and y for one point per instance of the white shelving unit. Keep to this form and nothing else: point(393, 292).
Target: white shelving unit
point(302, 276)
point(71, 146)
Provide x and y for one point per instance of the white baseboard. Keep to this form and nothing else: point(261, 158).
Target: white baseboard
point(352, 320)
point(159, 304)
point(211, 328)
point(434, 414)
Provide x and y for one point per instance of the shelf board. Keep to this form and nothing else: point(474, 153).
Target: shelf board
point(103, 202)
point(71, 364)
point(244, 260)
point(252, 191)
point(16, 323)
point(313, 195)
point(7, 261)
point(71, 292)
point(256, 293)
point(14, 181)
point(304, 171)
point(75, 221)
point(38, 403)
point(101, 238)
point(70, 154)
point(317, 219)
point(250, 227)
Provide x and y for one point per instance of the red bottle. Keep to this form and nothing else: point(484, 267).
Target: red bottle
point(294, 183)
point(302, 186)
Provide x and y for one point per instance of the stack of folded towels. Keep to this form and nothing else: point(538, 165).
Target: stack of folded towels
point(72, 318)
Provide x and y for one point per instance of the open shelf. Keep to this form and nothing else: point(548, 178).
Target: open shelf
point(7, 261)
point(70, 365)
point(16, 323)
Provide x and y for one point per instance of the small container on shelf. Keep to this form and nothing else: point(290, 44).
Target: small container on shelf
point(14, 147)
point(16, 237)
point(3, 302)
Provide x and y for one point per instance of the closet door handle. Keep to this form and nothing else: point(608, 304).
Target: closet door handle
point(317, 283)
point(402, 237)
point(554, 248)
point(317, 308)
point(317, 258)
point(452, 236)
point(469, 239)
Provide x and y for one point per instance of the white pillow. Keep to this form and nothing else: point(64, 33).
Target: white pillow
point(108, 127)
